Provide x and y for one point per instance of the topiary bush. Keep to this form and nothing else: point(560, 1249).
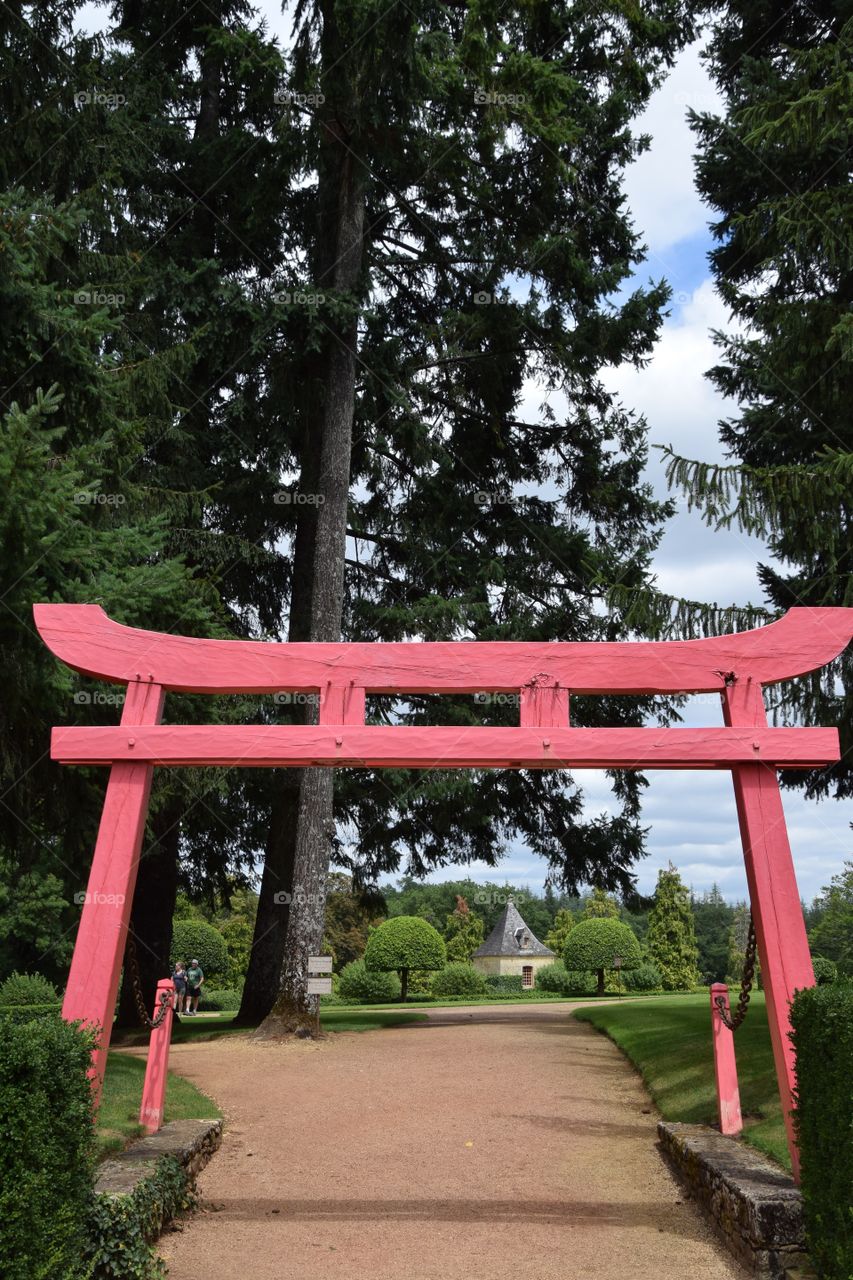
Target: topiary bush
point(26, 989)
point(361, 985)
point(822, 1022)
point(47, 1153)
point(594, 944)
point(552, 977)
point(824, 970)
point(458, 979)
point(403, 943)
point(646, 978)
point(196, 939)
point(224, 1001)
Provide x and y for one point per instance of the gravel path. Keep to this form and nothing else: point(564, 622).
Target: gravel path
point(492, 1141)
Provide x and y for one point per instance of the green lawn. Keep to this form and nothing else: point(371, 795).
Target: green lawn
point(669, 1042)
point(119, 1110)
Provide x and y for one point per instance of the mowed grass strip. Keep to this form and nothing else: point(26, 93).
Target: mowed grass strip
point(668, 1040)
point(118, 1113)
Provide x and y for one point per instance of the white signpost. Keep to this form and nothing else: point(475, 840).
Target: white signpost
point(317, 986)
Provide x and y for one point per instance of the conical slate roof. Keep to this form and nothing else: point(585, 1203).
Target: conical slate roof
point(511, 937)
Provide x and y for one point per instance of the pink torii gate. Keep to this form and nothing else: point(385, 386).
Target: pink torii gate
point(151, 664)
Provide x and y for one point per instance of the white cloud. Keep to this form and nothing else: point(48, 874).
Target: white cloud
point(659, 186)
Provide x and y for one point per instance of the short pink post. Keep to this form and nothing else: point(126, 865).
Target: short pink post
point(157, 1067)
point(725, 1066)
point(90, 995)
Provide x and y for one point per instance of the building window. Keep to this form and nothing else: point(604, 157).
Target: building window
point(527, 975)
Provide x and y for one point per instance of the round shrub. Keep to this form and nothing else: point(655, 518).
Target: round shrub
point(552, 977)
point(824, 970)
point(580, 982)
point(458, 979)
point(403, 943)
point(26, 989)
point(646, 978)
point(366, 986)
point(198, 940)
point(594, 944)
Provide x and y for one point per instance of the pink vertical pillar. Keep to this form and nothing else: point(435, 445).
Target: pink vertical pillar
point(157, 1066)
point(780, 929)
point(90, 995)
point(725, 1066)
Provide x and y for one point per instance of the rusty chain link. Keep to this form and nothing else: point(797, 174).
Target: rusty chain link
point(165, 996)
point(733, 1021)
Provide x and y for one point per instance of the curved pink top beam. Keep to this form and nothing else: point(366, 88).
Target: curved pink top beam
point(85, 638)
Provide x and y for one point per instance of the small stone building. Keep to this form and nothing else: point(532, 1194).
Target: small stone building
point(512, 948)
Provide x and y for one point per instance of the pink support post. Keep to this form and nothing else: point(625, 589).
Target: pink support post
point(780, 930)
point(157, 1067)
point(90, 995)
point(725, 1065)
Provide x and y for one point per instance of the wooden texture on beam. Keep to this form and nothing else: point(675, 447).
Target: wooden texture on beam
point(432, 746)
point(86, 639)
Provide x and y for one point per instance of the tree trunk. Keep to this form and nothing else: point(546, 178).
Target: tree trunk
point(339, 262)
point(151, 913)
point(404, 985)
point(600, 991)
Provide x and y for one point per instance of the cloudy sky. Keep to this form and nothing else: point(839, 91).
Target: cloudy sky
point(691, 816)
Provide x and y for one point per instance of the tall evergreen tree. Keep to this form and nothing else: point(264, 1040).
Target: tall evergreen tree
point(464, 931)
point(775, 166)
point(670, 940)
point(469, 238)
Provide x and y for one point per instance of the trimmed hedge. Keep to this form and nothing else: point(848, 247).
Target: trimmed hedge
point(47, 1153)
point(646, 978)
point(565, 982)
point(824, 970)
point(504, 983)
point(196, 939)
point(27, 988)
point(214, 1001)
point(822, 1022)
point(458, 979)
point(363, 986)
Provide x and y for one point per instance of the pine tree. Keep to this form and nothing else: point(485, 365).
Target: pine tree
point(556, 937)
point(670, 941)
point(775, 166)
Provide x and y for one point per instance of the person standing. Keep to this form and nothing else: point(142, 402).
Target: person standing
point(195, 982)
point(179, 977)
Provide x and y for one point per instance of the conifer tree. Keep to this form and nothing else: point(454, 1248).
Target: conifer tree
point(670, 941)
point(464, 931)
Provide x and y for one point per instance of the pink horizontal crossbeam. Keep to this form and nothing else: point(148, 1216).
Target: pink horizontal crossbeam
point(82, 636)
point(442, 746)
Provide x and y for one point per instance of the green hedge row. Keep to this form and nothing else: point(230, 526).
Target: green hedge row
point(822, 1021)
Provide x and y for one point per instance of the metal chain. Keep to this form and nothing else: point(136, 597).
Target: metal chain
point(733, 1021)
point(165, 997)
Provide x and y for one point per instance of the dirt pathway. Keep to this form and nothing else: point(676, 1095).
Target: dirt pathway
point(494, 1141)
